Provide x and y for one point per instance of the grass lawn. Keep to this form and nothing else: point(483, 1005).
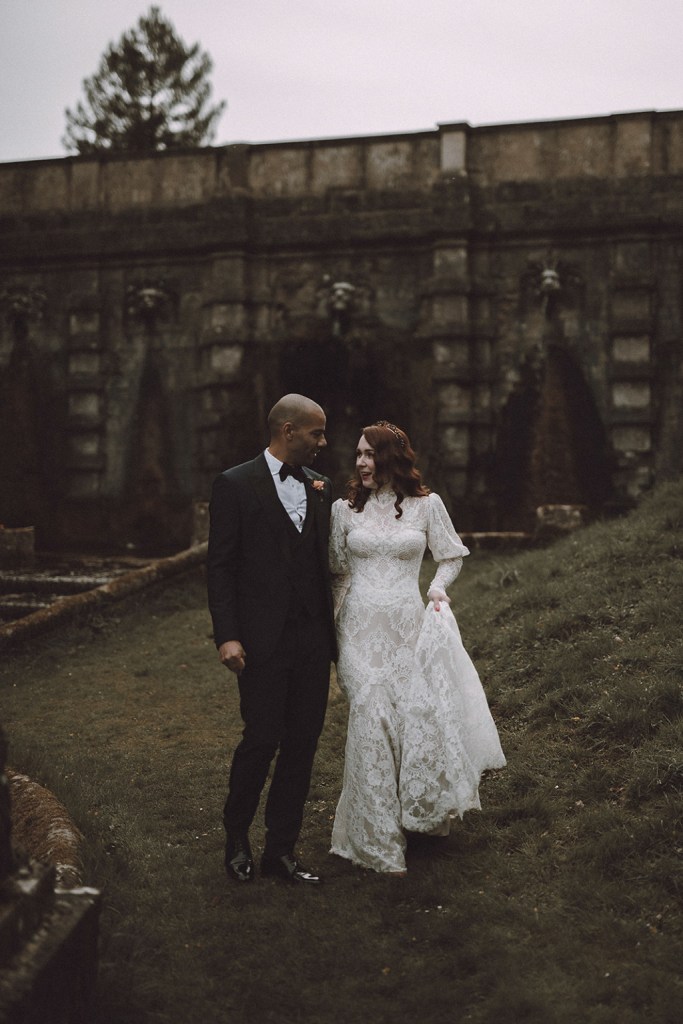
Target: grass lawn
point(558, 903)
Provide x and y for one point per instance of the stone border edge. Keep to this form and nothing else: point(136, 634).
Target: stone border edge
point(69, 607)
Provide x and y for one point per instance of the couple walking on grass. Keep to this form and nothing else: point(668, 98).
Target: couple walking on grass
point(296, 582)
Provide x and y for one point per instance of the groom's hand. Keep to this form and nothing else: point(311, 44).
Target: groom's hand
point(233, 656)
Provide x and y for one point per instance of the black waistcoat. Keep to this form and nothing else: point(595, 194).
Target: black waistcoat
point(305, 570)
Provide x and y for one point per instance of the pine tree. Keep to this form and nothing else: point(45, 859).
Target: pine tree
point(150, 92)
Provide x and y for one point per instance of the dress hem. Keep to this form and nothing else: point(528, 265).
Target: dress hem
point(367, 867)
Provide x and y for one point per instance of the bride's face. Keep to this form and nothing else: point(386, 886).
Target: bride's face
point(365, 464)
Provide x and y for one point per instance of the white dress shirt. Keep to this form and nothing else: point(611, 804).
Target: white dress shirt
point(291, 492)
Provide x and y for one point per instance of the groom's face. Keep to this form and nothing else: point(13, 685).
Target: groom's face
point(305, 439)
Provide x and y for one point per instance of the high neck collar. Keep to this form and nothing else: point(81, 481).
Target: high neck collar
point(385, 495)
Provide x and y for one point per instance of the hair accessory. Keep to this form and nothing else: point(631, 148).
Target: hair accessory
point(394, 430)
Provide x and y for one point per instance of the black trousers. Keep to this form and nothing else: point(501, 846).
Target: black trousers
point(282, 703)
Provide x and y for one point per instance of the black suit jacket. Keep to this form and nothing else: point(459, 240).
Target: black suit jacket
point(248, 564)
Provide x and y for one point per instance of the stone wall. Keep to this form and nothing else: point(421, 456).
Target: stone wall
point(509, 293)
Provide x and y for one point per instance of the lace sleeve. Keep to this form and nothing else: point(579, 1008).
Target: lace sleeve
point(339, 566)
point(446, 547)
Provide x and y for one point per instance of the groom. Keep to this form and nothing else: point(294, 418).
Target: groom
point(271, 606)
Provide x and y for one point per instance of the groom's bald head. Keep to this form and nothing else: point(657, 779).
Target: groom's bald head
point(294, 409)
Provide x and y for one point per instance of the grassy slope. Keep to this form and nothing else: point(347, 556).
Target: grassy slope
point(558, 904)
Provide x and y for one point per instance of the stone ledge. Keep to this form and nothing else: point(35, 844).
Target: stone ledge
point(497, 540)
point(68, 608)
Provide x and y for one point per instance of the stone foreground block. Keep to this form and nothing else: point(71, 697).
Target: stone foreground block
point(51, 978)
point(17, 546)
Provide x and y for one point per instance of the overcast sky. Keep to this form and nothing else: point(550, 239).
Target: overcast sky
point(293, 69)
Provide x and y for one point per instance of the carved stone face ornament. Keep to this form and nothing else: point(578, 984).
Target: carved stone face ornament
point(340, 305)
point(340, 295)
point(550, 281)
point(23, 303)
point(148, 302)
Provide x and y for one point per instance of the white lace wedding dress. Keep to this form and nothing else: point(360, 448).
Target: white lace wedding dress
point(420, 732)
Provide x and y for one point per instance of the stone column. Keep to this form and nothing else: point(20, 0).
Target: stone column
point(445, 323)
point(445, 329)
point(86, 412)
point(630, 371)
point(225, 330)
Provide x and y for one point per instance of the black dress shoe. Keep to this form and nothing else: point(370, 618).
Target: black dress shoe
point(239, 863)
point(288, 869)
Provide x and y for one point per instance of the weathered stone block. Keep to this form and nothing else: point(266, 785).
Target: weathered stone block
point(631, 439)
point(185, 178)
point(85, 322)
point(557, 520)
point(85, 405)
point(87, 363)
point(226, 359)
point(26, 898)
point(454, 402)
point(631, 305)
point(129, 183)
point(47, 186)
point(452, 262)
point(631, 348)
point(279, 171)
point(633, 145)
point(451, 357)
point(631, 395)
point(520, 157)
point(455, 446)
point(449, 309)
point(17, 546)
point(337, 166)
point(632, 258)
point(229, 279)
point(84, 191)
point(51, 978)
point(453, 149)
point(672, 145)
point(84, 486)
point(87, 445)
point(388, 164)
point(580, 150)
point(227, 317)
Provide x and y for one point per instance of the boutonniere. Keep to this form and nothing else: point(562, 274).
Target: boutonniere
point(318, 485)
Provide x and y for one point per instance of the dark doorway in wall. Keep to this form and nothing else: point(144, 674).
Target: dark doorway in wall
point(552, 447)
point(155, 517)
point(28, 442)
point(357, 377)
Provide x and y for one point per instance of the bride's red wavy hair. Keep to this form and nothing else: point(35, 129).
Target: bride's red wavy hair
point(394, 465)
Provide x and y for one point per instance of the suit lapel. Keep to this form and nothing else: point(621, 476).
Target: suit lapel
point(316, 508)
point(264, 487)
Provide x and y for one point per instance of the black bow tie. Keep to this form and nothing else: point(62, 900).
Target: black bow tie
point(295, 471)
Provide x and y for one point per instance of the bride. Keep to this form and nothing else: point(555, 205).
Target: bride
point(420, 732)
